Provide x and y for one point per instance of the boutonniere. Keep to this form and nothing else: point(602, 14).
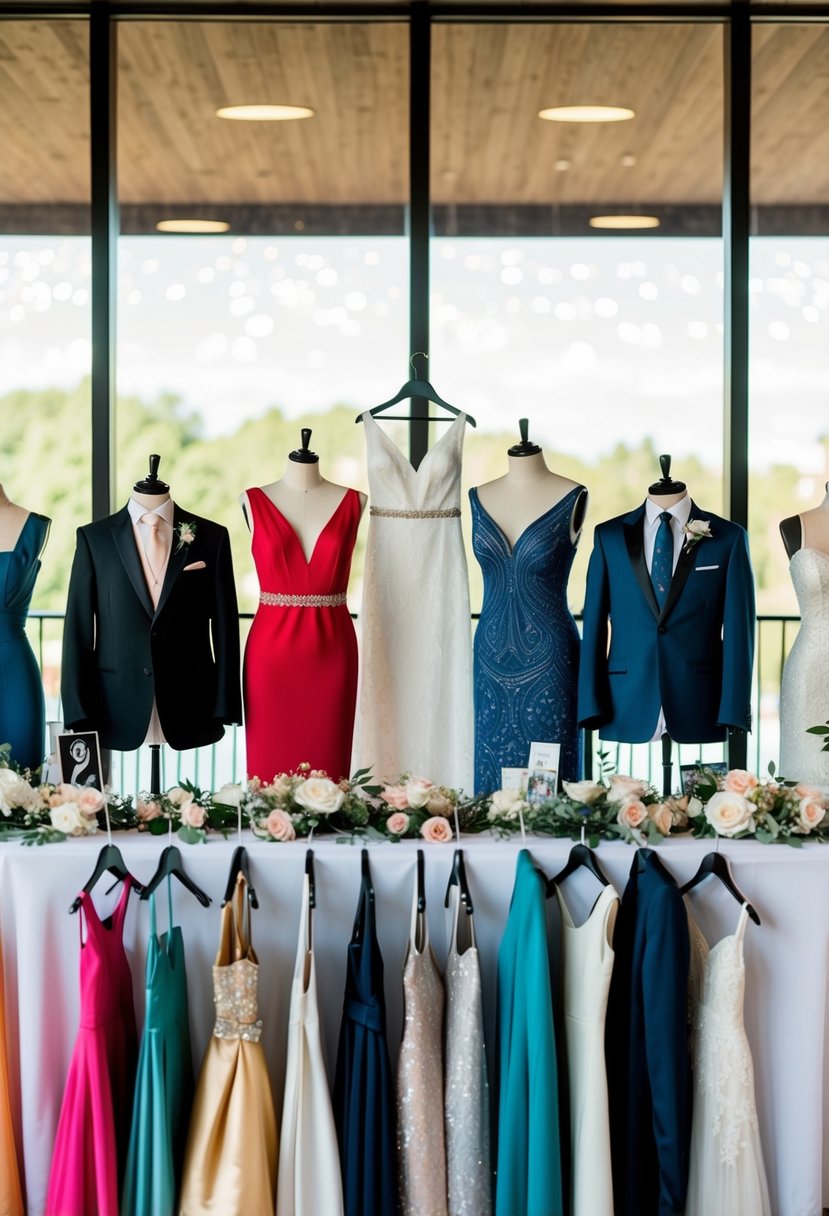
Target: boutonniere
point(696, 530)
point(186, 532)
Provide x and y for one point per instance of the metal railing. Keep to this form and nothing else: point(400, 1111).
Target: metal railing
point(212, 766)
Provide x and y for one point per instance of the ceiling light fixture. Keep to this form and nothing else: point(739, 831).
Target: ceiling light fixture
point(628, 160)
point(264, 113)
point(624, 221)
point(203, 226)
point(586, 114)
point(562, 164)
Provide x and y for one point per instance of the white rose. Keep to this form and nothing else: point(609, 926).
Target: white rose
point(15, 791)
point(626, 787)
point(178, 796)
point(68, 818)
point(694, 808)
point(5, 809)
point(229, 795)
point(729, 813)
point(812, 812)
point(697, 527)
point(506, 804)
point(583, 791)
point(319, 794)
point(417, 792)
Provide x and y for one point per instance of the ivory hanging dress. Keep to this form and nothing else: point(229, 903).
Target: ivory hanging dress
point(421, 1146)
point(309, 1181)
point(416, 659)
point(231, 1154)
point(587, 965)
point(726, 1174)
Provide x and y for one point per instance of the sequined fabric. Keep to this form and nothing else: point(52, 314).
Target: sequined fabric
point(391, 513)
point(235, 994)
point(277, 599)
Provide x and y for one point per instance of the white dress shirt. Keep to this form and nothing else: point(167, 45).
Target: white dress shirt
point(680, 514)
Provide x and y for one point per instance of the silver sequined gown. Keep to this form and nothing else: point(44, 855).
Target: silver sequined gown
point(466, 1084)
point(421, 1151)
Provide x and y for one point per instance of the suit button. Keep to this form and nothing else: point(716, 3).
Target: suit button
point(663, 628)
point(148, 671)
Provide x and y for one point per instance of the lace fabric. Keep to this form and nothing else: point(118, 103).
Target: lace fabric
point(804, 692)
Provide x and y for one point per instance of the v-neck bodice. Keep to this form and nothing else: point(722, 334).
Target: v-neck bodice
point(396, 484)
point(19, 569)
point(280, 560)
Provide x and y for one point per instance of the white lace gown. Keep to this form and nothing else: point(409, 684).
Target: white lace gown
point(804, 692)
point(415, 698)
point(727, 1175)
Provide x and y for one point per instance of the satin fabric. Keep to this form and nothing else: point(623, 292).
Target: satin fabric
point(231, 1154)
point(300, 671)
point(164, 1085)
point(309, 1163)
point(11, 1199)
point(364, 1107)
point(22, 711)
point(93, 1129)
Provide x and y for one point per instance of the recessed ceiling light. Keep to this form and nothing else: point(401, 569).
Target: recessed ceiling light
point(264, 113)
point(624, 221)
point(192, 226)
point(586, 114)
point(562, 164)
point(628, 160)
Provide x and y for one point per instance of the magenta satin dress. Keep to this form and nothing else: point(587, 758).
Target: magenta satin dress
point(93, 1129)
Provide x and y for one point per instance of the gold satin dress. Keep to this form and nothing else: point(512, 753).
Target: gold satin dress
point(11, 1201)
point(232, 1147)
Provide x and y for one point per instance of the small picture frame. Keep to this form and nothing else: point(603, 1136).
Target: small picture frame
point(541, 785)
point(546, 757)
point(514, 779)
point(687, 772)
point(80, 759)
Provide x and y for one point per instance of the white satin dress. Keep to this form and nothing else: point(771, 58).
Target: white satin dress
point(804, 692)
point(415, 698)
point(308, 1183)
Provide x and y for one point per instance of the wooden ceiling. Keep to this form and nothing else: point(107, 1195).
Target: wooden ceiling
point(488, 146)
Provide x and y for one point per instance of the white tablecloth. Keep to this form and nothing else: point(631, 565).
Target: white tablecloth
point(787, 961)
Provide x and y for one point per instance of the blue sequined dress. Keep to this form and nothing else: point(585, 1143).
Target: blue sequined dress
point(526, 653)
point(22, 713)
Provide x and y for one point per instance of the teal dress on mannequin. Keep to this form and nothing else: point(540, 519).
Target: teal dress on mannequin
point(164, 1084)
point(529, 1177)
point(22, 712)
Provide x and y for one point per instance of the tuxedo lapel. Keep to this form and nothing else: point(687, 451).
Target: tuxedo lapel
point(684, 566)
point(124, 538)
point(635, 545)
point(179, 557)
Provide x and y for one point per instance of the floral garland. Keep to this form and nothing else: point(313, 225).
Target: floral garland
point(189, 811)
point(739, 805)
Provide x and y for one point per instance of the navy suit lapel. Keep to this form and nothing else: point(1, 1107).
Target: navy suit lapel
point(124, 538)
point(684, 566)
point(179, 557)
point(635, 545)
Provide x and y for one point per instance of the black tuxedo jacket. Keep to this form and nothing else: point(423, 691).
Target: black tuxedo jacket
point(118, 653)
point(646, 1039)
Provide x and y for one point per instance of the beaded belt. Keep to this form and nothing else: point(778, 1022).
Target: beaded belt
point(392, 513)
point(278, 600)
point(229, 1028)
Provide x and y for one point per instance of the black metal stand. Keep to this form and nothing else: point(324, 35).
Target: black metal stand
point(155, 770)
point(667, 765)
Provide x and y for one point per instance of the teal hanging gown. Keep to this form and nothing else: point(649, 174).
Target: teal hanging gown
point(164, 1085)
point(529, 1178)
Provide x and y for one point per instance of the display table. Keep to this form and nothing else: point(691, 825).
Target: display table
point(787, 961)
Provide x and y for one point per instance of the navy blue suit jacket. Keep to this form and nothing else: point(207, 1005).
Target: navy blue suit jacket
point(648, 1063)
point(694, 658)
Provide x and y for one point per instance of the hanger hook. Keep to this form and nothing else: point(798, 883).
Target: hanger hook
point(414, 356)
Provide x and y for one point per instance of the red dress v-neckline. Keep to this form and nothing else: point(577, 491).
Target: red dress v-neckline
point(292, 530)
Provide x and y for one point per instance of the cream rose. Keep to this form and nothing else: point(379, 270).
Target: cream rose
point(583, 791)
point(320, 795)
point(147, 810)
point(280, 826)
point(90, 801)
point(438, 802)
point(15, 791)
point(417, 792)
point(229, 795)
point(397, 823)
point(729, 813)
point(632, 812)
point(192, 814)
point(178, 796)
point(5, 809)
point(68, 819)
point(506, 804)
point(662, 816)
point(395, 795)
point(626, 787)
point(812, 812)
point(436, 830)
point(739, 781)
point(695, 807)
point(69, 793)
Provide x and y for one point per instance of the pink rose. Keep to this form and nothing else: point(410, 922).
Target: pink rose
point(739, 781)
point(192, 814)
point(809, 791)
point(90, 802)
point(397, 823)
point(626, 787)
point(55, 800)
point(662, 816)
point(280, 825)
point(436, 830)
point(147, 810)
point(631, 813)
point(812, 813)
point(395, 795)
point(438, 802)
point(68, 793)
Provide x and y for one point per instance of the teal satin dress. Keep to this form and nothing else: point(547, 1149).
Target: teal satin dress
point(529, 1178)
point(22, 711)
point(164, 1084)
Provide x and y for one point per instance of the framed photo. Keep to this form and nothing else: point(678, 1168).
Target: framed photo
point(541, 785)
point(687, 771)
point(80, 759)
point(514, 779)
point(544, 756)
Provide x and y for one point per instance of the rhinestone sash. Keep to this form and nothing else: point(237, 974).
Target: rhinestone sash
point(278, 600)
point(393, 513)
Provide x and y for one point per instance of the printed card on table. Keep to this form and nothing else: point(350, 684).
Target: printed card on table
point(545, 756)
point(514, 779)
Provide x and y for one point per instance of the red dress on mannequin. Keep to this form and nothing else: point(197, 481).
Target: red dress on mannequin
point(300, 671)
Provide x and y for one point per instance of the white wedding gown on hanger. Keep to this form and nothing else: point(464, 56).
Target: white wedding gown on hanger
point(804, 692)
point(415, 699)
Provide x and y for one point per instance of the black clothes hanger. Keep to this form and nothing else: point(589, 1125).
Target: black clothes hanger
point(416, 388)
point(458, 878)
point(666, 484)
point(109, 861)
point(239, 865)
point(152, 483)
point(717, 864)
point(304, 455)
point(171, 865)
point(524, 448)
point(580, 855)
point(312, 882)
point(421, 881)
point(366, 871)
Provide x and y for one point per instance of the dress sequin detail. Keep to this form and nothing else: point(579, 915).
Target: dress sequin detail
point(391, 513)
point(234, 991)
point(279, 600)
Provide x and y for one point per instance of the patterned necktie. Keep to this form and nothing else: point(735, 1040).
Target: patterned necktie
point(662, 564)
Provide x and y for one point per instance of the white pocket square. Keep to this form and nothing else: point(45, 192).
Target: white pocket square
point(195, 566)
point(699, 568)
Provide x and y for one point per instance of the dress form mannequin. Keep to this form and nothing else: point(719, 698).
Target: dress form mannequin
point(807, 530)
point(666, 492)
point(12, 519)
point(527, 490)
point(303, 496)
